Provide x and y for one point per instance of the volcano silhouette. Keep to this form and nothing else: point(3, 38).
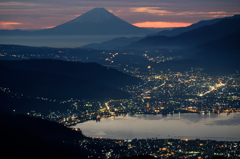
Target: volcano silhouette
point(98, 21)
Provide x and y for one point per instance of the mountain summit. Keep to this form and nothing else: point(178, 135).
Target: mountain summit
point(96, 15)
point(97, 21)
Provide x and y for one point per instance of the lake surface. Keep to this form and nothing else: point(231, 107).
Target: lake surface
point(178, 126)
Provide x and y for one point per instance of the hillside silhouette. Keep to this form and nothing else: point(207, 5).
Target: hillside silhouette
point(57, 79)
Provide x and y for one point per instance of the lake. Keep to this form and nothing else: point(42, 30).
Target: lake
point(221, 127)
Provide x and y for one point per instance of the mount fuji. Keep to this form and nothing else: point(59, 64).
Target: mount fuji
point(97, 21)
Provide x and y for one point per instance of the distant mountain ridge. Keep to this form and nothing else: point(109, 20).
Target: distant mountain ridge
point(117, 43)
point(112, 44)
point(177, 31)
point(191, 38)
point(97, 21)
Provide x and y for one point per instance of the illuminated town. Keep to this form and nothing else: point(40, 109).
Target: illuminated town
point(161, 92)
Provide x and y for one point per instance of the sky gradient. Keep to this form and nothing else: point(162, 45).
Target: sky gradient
point(35, 14)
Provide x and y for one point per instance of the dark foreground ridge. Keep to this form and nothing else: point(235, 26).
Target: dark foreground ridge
point(28, 137)
point(57, 79)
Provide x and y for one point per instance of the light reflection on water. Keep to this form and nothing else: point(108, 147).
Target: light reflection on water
point(177, 126)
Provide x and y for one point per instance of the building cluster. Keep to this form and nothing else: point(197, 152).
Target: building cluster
point(160, 148)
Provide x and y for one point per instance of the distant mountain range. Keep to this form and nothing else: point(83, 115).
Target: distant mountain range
point(167, 38)
point(115, 43)
point(217, 57)
point(214, 47)
point(97, 21)
point(57, 79)
point(177, 31)
point(191, 38)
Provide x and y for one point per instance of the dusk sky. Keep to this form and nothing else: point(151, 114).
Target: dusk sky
point(35, 14)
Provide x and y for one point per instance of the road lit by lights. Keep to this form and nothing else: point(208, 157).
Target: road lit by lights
point(212, 88)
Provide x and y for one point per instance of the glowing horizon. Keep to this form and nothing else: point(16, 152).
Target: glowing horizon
point(8, 25)
point(21, 26)
point(160, 24)
point(147, 24)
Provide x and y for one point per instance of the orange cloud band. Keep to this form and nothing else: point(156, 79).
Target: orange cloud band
point(8, 25)
point(161, 24)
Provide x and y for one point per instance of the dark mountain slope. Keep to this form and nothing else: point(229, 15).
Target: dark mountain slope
point(191, 38)
point(63, 80)
point(87, 71)
point(22, 104)
point(39, 84)
point(201, 23)
point(28, 137)
point(223, 48)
